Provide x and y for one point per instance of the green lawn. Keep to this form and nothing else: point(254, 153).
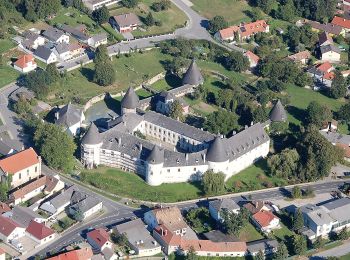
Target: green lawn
point(7, 75)
point(132, 186)
point(142, 93)
point(171, 19)
point(233, 11)
point(170, 81)
point(5, 45)
point(345, 257)
point(249, 233)
point(283, 233)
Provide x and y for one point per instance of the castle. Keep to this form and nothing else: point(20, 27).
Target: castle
point(172, 151)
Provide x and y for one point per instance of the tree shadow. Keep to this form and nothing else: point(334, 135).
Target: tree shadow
point(195, 121)
point(219, 84)
point(173, 80)
point(296, 112)
point(113, 104)
point(87, 73)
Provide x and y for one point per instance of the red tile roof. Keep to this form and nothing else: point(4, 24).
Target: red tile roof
point(24, 60)
point(228, 32)
point(7, 226)
point(342, 22)
point(4, 208)
point(264, 218)
point(79, 254)
point(19, 161)
point(253, 28)
point(252, 56)
point(100, 236)
point(325, 67)
point(329, 75)
point(39, 230)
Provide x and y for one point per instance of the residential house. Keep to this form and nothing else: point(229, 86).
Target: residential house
point(4, 208)
point(10, 230)
point(252, 58)
point(322, 74)
point(139, 238)
point(76, 32)
point(217, 206)
point(99, 239)
point(266, 221)
point(32, 40)
point(23, 216)
point(71, 117)
point(46, 185)
point(324, 39)
point(256, 206)
point(40, 233)
point(76, 49)
point(87, 206)
point(62, 51)
point(46, 54)
point(330, 28)
point(338, 210)
point(55, 35)
point(22, 167)
point(125, 22)
point(25, 63)
point(2, 254)
point(342, 22)
point(267, 246)
point(228, 34)
point(97, 40)
point(170, 217)
point(96, 4)
point(302, 57)
point(77, 254)
point(9, 146)
point(340, 140)
point(330, 53)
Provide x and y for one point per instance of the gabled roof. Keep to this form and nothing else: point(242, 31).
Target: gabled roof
point(43, 52)
point(19, 161)
point(78, 254)
point(69, 115)
point(53, 34)
point(39, 230)
point(325, 67)
point(23, 61)
point(99, 37)
point(127, 19)
point(300, 56)
point(7, 225)
point(100, 236)
point(228, 32)
point(252, 56)
point(264, 218)
point(22, 215)
point(252, 28)
point(330, 47)
point(193, 75)
point(62, 48)
point(278, 113)
point(328, 27)
point(342, 22)
point(92, 136)
point(324, 38)
point(130, 99)
point(227, 204)
point(170, 217)
point(156, 156)
point(216, 151)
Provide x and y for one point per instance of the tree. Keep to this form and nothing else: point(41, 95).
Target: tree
point(260, 255)
point(232, 222)
point(266, 5)
point(296, 192)
point(161, 6)
point(104, 72)
point(319, 243)
point(78, 215)
point(52, 73)
point(217, 23)
point(338, 88)
point(317, 114)
point(22, 106)
point(37, 82)
point(285, 164)
point(343, 234)
point(176, 111)
point(191, 254)
point(55, 146)
point(298, 221)
point(281, 253)
point(299, 244)
point(101, 54)
point(213, 183)
point(256, 14)
point(175, 65)
point(259, 114)
point(221, 121)
point(101, 15)
point(236, 62)
point(120, 239)
point(197, 217)
point(224, 98)
point(149, 20)
point(286, 11)
point(344, 112)
point(4, 189)
point(130, 3)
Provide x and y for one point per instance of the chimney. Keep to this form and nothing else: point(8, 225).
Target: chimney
point(186, 156)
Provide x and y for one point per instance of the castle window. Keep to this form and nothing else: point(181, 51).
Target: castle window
point(194, 169)
point(179, 169)
point(168, 170)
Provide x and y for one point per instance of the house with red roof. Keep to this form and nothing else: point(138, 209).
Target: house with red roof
point(25, 63)
point(301, 57)
point(99, 239)
point(342, 22)
point(322, 74)
point(9, 229)
point(2, 254)
point(227, 34)
point(78, 254)
point(23, 167)
point(253, 59)
point(266, 221)
point(40, 233)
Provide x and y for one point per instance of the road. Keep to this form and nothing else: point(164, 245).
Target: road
point(337, 251)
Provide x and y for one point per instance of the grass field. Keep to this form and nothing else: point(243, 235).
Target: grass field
point(5, 45)
point(234, 11)
point(249, 233)
point(7, 75)
point(132, 186)
point(171, 19)
point(142, 93)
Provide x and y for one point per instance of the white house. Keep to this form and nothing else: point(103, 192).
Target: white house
point(63, 52)
point(125, 22)
point(217, 206)
point(40, 233)
point(45, 54)
point(88, 206)
point(99, 239)
point(56, 35)
point(97, 40)
point(71, 117)
point(25, 63)
point(32, 40)
point(96, 4)
point(10, 230)
point(266, 221)
point(330, 53)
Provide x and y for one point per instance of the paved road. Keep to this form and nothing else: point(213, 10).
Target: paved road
point(337, 251)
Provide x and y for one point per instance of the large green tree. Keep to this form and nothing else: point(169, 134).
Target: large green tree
point(338, 88)
point(130, 3)
point(101, 15)
point(221, 121)
point(284, 164)
point(236, 62)
point(176, 111)
point(104, 71)
point(217, 23)
point(281, 253)
point(213, 183)
point(233, 223)
point(297, 221)
point(317, 114)
point(55, 146)
point(299, 244)
point(287, 11)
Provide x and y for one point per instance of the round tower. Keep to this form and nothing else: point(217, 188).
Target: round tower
point(129, 102)
point(217, 157)
point(278, 113)
point(90, 147)
point(155, 162)
point(193, 75)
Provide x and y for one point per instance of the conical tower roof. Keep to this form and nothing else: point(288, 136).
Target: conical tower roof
point(278, 113)
point(92, 136)
point(130, 99)
point(193, 75)
point(216, 151)
point(156, 156)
